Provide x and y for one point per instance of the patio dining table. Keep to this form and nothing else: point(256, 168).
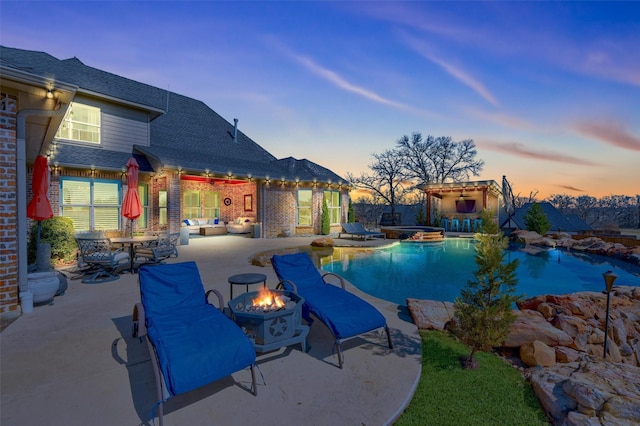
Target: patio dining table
point(132, 242)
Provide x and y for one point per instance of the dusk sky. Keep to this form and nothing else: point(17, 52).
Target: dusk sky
point(548, 91)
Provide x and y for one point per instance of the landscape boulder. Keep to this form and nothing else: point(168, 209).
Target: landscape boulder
point(530, 326)
point(430, 314)
point(589, 392)
point(537, 353)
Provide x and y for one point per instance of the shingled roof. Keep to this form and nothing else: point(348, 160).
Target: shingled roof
point(185, 132)
point(558, 221)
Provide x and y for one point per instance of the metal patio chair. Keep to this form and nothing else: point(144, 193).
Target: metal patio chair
point(101, 258)
point(157, 252)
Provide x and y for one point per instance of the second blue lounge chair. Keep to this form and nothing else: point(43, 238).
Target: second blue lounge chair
point(345, 314)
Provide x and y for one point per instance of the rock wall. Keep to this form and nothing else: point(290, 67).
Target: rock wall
point(560, 340)
point(592, 245)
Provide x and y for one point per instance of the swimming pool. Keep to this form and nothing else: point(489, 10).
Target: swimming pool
point(437, 271)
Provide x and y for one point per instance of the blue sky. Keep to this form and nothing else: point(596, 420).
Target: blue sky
point(548, 91)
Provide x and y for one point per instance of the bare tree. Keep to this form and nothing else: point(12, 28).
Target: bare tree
point(437, 159)
point(562, 202)
point(614, 210)
point(521, 200)
point(387, 181)
point(585, 204)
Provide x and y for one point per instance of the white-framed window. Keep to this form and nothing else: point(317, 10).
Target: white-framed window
point(211, 204)
point(190, 204)
point(92, 204)
point(143, 193)
point(81, 123)
point(163, 208)
point(304, 207)
point(333, 203)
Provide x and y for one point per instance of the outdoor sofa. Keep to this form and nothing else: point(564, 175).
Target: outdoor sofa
point(194, 225)
point(242, 225)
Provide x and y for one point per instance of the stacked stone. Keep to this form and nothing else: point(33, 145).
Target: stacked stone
point(561, 339)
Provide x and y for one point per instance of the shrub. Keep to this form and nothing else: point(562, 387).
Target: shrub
point(351, 215)
point(57, 231)
point(484, 309)
point(326, 220)
point(437, 218)
point(421, 219)
point(535, 220)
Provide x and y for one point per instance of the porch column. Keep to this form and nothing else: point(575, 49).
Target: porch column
point(428, 208)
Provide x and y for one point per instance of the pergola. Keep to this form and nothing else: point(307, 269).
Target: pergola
point(462, 199)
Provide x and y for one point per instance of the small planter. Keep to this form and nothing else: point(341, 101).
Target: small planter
point(43, 286)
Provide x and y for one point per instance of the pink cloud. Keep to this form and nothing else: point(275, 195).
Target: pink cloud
point(454, 71)
point(520, 150)
point(610, 132)
point(502, 119)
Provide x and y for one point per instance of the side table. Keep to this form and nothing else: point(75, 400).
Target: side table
point(246, 279)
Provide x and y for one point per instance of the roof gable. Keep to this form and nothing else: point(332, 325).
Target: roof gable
point(184, 132)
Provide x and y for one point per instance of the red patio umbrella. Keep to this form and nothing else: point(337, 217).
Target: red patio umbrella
point(39, 207)
point(131, 207)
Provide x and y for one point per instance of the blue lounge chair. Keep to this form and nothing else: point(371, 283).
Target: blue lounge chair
point(191, 342)
point(345, 314)
point(356, 228)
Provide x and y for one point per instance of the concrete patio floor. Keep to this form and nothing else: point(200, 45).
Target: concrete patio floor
point(76, 363)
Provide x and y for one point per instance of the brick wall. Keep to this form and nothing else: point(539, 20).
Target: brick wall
point(8, 207)
point(234, 192)
point(281, 212)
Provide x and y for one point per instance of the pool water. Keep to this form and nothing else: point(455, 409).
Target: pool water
point(438, 271)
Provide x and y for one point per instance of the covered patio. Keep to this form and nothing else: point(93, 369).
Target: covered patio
point(457, 205)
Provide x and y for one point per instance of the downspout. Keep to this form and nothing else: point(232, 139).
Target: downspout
point(21, 188)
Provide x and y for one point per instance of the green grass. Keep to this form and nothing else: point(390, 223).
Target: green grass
point(494, 394)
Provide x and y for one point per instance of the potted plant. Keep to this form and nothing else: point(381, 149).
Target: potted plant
point(57, 247)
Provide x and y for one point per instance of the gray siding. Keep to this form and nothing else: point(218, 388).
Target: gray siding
point(120, 127)
point(120, 133)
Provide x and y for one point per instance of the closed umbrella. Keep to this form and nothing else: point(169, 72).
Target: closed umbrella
point(131, 207)
point(39, 207)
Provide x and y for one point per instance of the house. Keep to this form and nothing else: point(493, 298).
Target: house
point(559, 222)
point(193, 163)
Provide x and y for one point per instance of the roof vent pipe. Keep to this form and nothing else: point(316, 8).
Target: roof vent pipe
point(235, 130)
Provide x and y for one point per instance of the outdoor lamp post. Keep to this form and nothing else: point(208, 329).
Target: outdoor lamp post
point(609, 278)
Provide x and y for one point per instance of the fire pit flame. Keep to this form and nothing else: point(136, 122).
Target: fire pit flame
point(269, 300)
point(266, 302)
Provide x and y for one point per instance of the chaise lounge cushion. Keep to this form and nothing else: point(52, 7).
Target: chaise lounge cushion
point(343, 312)
point(195, 342)
point(194, 347)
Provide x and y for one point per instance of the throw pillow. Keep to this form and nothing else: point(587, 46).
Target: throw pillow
point(216, 221)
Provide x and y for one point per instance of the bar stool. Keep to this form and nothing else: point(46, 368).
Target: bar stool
point(477, 224)
point(466, 222)
point(444, 222)
point(455, 223)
